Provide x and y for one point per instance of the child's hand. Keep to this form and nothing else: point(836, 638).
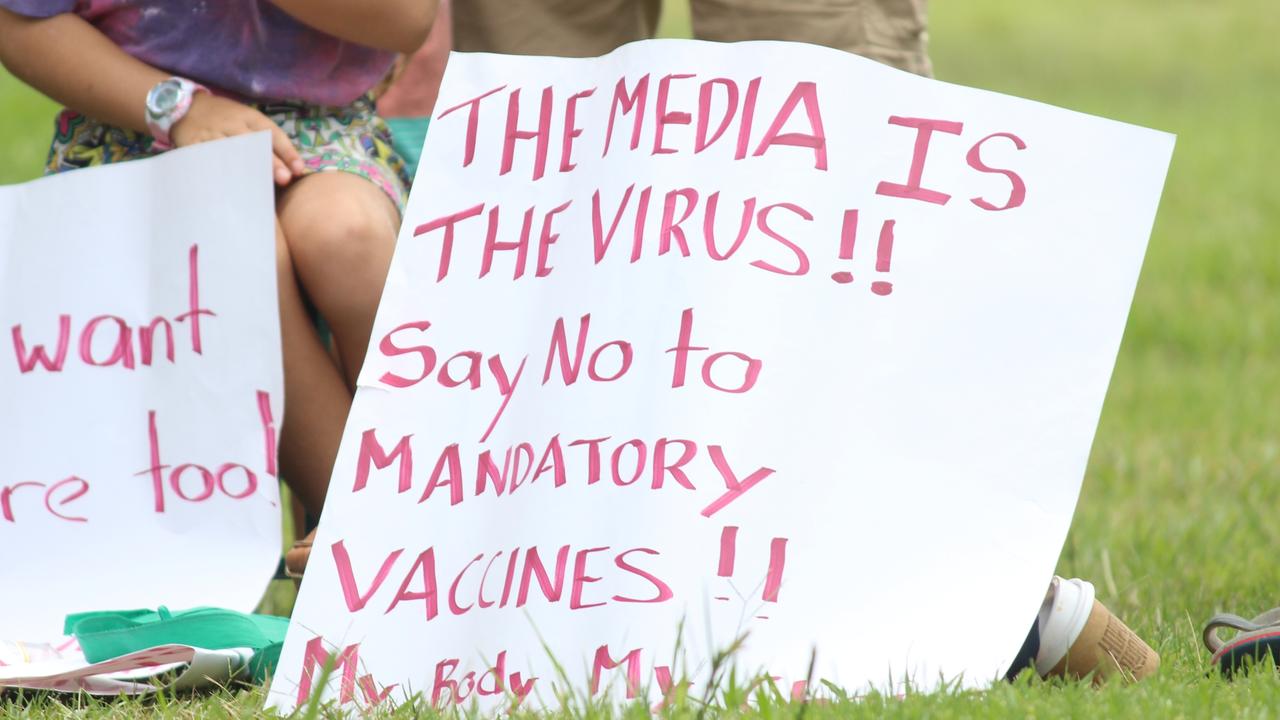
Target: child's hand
point(212, 118)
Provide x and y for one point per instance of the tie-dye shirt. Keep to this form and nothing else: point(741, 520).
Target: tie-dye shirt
point(249, 48)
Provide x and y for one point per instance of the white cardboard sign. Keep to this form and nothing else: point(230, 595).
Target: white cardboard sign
point(140, 387)
point(760, 341)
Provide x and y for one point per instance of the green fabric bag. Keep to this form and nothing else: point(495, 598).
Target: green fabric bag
point(110, 634)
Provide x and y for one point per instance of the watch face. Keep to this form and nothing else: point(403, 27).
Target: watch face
point(164, 97)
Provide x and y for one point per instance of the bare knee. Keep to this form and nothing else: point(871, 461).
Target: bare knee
point(342, 234)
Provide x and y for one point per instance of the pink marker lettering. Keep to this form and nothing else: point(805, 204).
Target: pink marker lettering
point(815, 139)
point(454, 607)
point(709, 226)
point(604, 661)
point(79, 488)
point(626, 102)
point(193, 296)
point(156, 471)
point(268, 431)
point(449, 460)
point(912, 190)
point(542, 135)
point(548, 238)
point(641, 453)
point(552, 462)
point(664, 590)
point(602, 240)
point(355, 599)
point(571, 129)
point(473, 121)
point(372, 453)
point(701, 139)
point(802, 259)
point(1017, 189)
point(506, 387)
point(389, 348)
point(448, 222)
point(27, 362)
point(493, 245)
point(6, 498)
point(425, 566)
point(146, 340)
point(665, 118)
point(736, 489)
point(533, 565)
point(316, 657)
point(671, 226)
point(123, 351)
point(777, 565)
point(581, 579)
point(748, 118)
point(661, 468)
point(593, 457)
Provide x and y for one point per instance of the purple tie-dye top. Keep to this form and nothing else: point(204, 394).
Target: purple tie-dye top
point(249, 48)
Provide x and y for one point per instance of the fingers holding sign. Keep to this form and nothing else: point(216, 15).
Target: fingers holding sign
point(213, 118)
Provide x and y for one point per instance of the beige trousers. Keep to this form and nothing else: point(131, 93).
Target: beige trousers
point(889, 31)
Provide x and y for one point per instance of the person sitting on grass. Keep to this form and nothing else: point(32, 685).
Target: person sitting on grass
point(138, 77)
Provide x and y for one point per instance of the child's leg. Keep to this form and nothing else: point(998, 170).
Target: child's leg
point(316, 398)
point(341, 231)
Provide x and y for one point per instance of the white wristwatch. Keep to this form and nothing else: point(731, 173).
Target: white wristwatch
point(167, 103)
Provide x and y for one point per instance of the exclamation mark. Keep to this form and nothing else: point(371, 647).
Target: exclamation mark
point(268, 431)
point(728, 548)
point(884, 254)
point(848, 234)
point(728, 551)
point(777, 564)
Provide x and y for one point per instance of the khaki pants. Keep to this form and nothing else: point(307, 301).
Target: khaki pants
point(890, 31)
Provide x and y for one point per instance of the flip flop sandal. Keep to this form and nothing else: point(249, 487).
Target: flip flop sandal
point(1257, 637)
point(295, 561)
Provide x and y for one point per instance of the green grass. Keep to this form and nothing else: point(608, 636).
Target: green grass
point(26, 125)
point(1174, 521)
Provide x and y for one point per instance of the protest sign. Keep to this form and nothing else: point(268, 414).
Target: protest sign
point(140, 387)
point(698, 346)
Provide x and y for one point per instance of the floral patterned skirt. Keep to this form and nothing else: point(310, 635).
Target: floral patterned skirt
point(350, 139)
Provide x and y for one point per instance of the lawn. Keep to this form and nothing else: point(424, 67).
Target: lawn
point(1173, 522)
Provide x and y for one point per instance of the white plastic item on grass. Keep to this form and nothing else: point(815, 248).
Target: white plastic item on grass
point(137, 673)
point(1063, 615)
